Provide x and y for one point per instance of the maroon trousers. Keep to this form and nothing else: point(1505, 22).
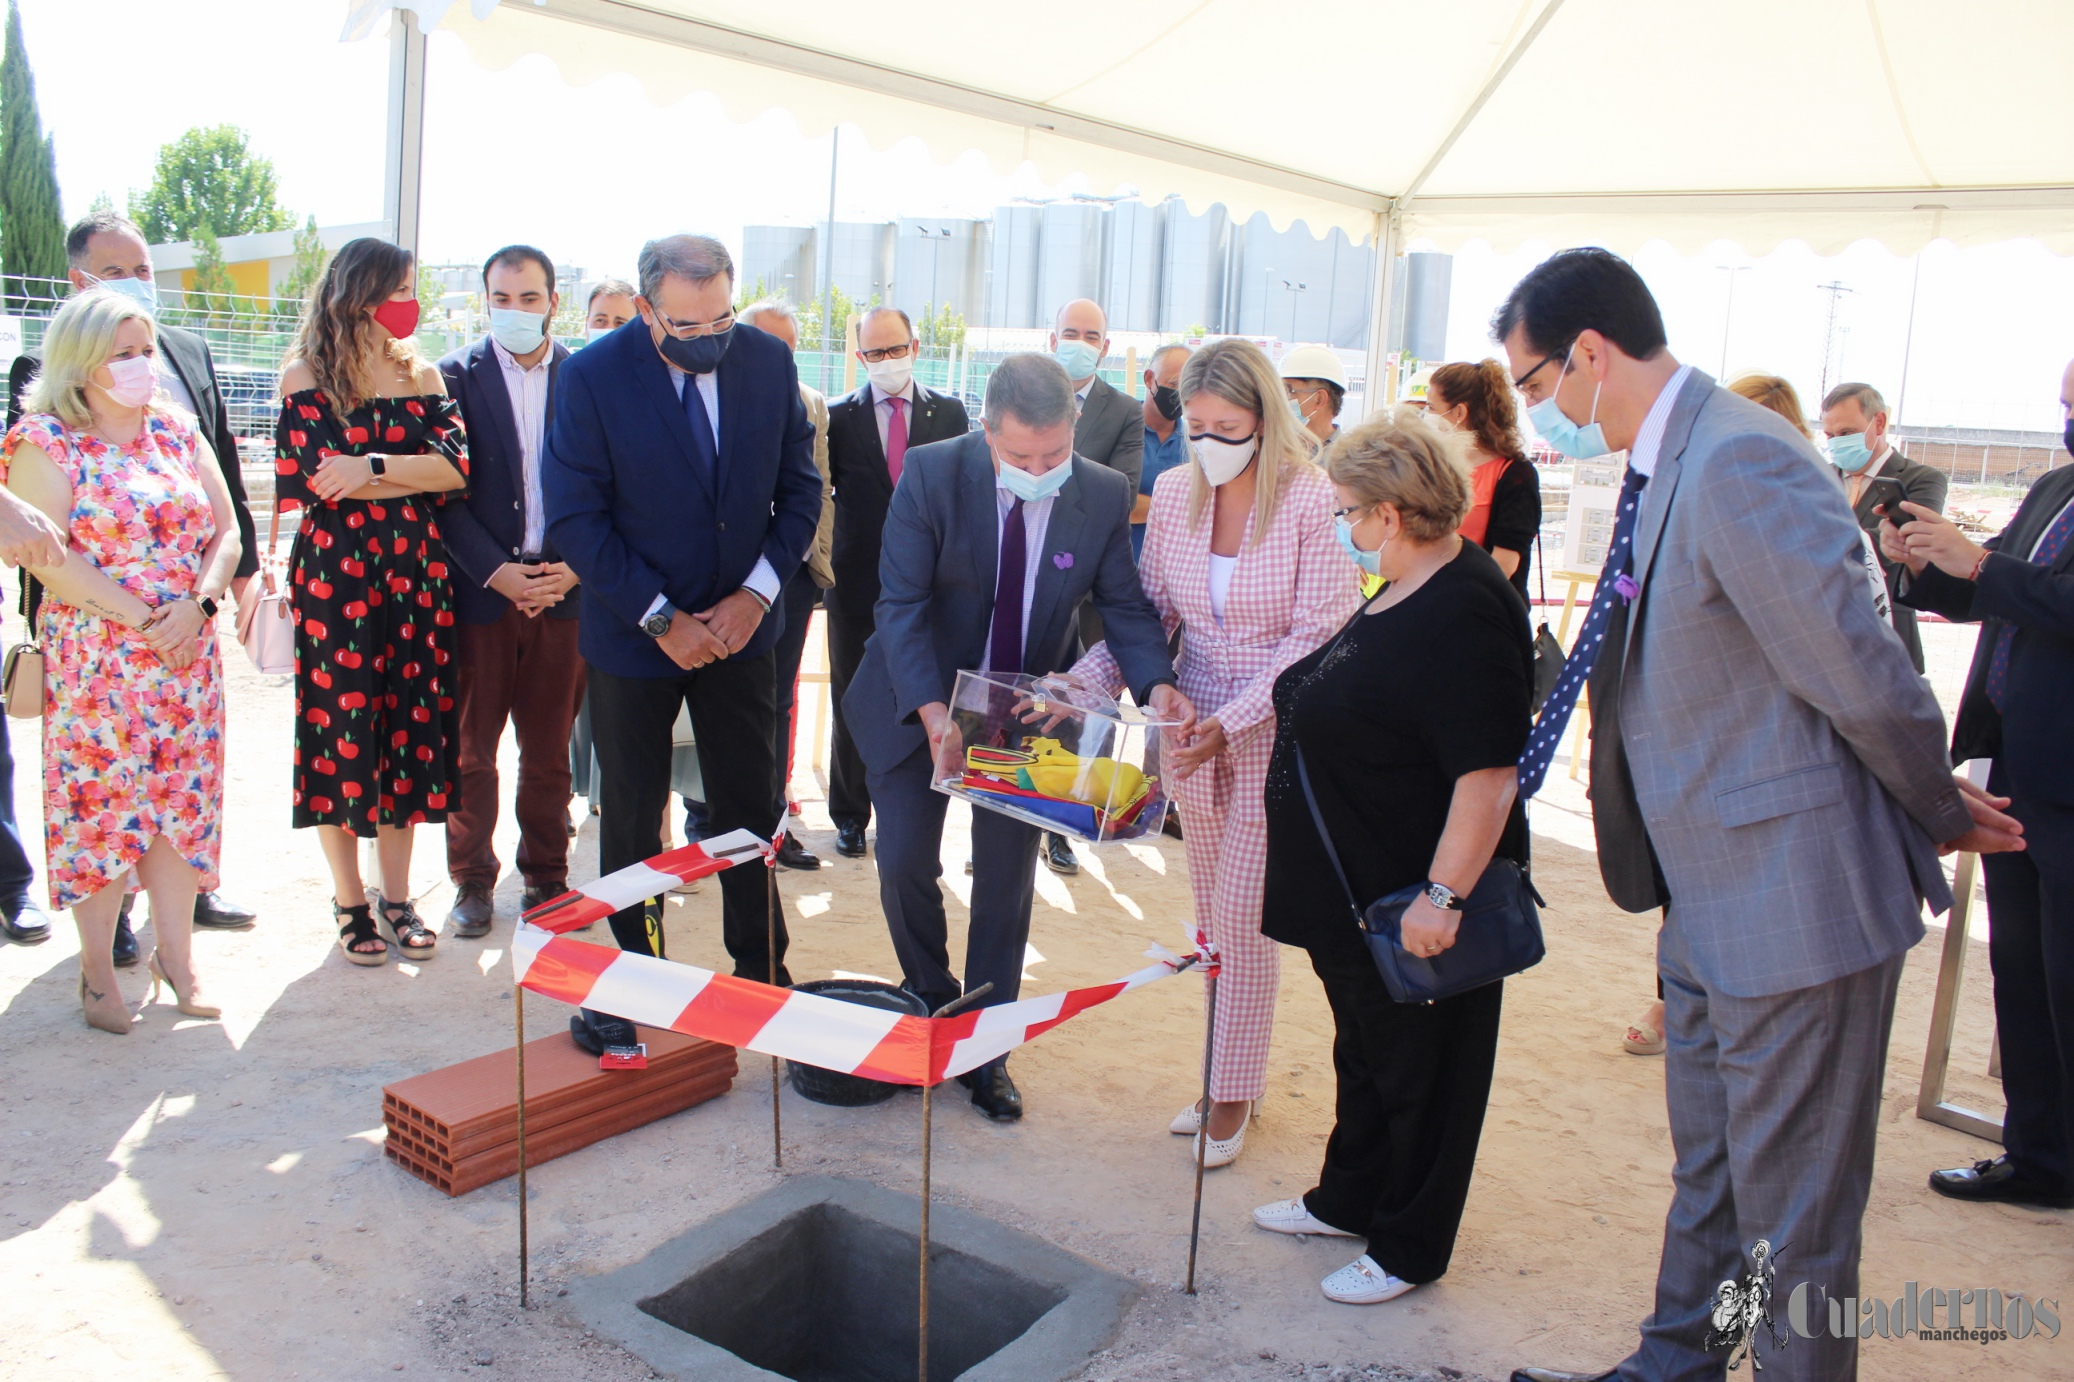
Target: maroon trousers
point(526, 671)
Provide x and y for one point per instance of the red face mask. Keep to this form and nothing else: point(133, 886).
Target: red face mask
point(400, 319)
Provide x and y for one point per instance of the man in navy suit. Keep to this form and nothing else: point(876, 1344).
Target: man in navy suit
point(681, 487)
point(516, 658)
point(993, 541)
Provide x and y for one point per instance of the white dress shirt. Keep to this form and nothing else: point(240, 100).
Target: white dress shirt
point(1036, 522)
point(882, 409)
point(1649, 439)
point(527, 386)
point(170, 382)
point(762, 578)
point(1220, 583)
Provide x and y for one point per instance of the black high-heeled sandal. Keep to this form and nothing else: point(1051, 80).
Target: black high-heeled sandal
point(413, 939)
point(357, 931)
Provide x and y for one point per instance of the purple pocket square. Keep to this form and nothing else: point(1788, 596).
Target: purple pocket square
point(1062, 560)
point(1624, 585)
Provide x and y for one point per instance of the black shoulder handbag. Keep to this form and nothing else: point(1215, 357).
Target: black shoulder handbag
point(1499, 934)
point(1548, 653)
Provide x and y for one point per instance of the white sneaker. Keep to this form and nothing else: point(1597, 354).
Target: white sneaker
point(1290, 1216)
point(1361, 1282)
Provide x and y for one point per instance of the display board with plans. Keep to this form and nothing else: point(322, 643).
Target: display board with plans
point(1588, 527)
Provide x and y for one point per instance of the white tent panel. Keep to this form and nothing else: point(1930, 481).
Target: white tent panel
point(1612, 120)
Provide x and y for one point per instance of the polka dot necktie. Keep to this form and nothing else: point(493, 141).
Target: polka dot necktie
point(1616, 572)
point(2048, 551)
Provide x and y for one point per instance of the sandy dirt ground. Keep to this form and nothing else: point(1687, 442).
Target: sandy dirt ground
point(209, 1199)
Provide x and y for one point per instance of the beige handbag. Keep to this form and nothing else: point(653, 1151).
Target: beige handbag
point(266, 621)
point(21, 681)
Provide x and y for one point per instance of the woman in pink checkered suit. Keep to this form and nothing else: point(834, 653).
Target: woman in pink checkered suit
point(1240, 556)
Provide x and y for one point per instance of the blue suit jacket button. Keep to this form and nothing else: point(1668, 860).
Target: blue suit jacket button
point(721, 527)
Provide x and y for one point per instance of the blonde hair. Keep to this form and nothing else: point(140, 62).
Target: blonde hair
point(1407, 464)
point(1240, 373)
point(1770, 391)
point(79, 340)
point(337, 338)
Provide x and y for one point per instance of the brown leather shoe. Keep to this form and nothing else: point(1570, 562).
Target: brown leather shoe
point(472, 912)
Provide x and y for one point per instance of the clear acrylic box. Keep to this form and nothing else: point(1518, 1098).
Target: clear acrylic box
point(1054, 754)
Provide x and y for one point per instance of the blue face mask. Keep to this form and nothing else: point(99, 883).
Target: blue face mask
point(1370, 562)
point(598, 333)
point(518, 332)
point(1030, 488)
point(1849, 453)
point(1077, 358)
point(142, 291)
point(1554, 426)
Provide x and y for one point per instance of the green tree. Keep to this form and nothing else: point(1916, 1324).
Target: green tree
point(209, 177)
point(32, 232)
point(755, 292)
point(310, 259)
point(213, 293)
point(941, 328)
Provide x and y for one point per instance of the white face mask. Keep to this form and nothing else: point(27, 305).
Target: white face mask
point(1222, 459)
point(890, 377)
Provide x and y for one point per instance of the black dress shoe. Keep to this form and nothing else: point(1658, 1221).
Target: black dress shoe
point(536, 894)
point(125, 948)
point(472, 912)
point(993, 1092)
point(595, 1031)
point(1997, 1180)
point(212, 911)
point(1558, 1375)
point(1058, 855)
point(25, 923)
point(1173, 825)
point(761, 974)
point(849, 841)
point(794, 855)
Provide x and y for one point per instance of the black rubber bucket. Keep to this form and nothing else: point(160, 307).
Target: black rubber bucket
point(825, 1086)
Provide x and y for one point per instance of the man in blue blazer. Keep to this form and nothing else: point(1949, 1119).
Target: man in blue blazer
point(992, 543)
point(681, 487)
point(516, 658)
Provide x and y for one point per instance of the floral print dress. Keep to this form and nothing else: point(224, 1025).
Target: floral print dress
point(131, 748)
point(376, 735)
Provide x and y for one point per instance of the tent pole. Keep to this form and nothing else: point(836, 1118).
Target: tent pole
point(404, 172)
point(1202, 1132)
point(835, 140)
point(771, 944)
point(1386, 240)
point(518, 1008)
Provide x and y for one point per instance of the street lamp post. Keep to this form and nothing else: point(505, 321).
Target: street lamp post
point(1294, 288)
point(1728, 313)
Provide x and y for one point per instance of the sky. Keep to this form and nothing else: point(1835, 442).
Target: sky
point(589, 173)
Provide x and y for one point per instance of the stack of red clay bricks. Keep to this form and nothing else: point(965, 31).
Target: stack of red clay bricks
point(457, 1128)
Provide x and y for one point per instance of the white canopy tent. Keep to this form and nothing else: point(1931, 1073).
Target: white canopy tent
point(1613, 121)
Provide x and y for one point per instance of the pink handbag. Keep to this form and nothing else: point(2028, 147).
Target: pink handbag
point(266, 620)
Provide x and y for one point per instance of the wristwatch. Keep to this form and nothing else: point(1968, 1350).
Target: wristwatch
point(658, 623)
point(1442, 896)
point(208, 606)
point(377, 466)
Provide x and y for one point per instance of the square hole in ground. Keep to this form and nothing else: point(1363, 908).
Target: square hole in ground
point(825, 1295)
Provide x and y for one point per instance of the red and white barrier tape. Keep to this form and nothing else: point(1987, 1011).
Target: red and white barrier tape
point(804, 1027)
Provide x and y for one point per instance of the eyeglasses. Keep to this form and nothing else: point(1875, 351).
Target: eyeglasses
point(1521, 382)
point(1350, 510)
point(899, 352)
point(719, 326)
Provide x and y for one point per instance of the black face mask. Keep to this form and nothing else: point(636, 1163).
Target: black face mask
point(699, 355)
point(1168, 401)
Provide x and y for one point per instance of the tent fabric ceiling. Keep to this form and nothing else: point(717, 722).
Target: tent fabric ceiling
point(1619, 121)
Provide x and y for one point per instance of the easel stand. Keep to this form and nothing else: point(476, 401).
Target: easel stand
point(1944, 1016)
point(949, 1009)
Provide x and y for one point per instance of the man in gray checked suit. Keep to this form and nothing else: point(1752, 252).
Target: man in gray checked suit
point(1766, 762)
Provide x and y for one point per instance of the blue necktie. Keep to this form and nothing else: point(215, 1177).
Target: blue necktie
point(1555, 715)
point(701, 432)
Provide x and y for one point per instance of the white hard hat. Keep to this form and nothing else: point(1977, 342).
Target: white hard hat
point(1419, 387)
point(1315, 362)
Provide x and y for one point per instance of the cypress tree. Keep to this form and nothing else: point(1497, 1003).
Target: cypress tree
point(32, 230)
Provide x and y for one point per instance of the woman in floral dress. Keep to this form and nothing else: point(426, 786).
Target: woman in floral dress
point(133, 690)
point(367, 447)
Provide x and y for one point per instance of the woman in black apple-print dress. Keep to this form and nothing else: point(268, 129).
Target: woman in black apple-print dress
point(368, 446)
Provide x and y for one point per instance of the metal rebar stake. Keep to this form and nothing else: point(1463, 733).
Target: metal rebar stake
point(771, 945)
point(928, 1100)
point(518, 1008)
point(1202, 1131)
